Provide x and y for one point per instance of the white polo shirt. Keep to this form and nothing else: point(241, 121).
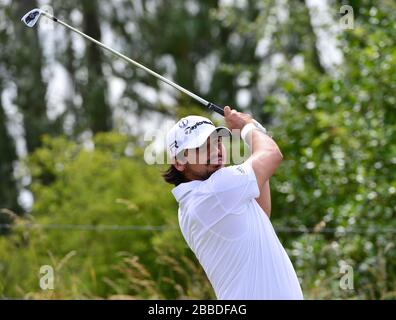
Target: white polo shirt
point(233, 238)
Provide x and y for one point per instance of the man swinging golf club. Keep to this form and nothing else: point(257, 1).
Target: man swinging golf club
point(224, 211)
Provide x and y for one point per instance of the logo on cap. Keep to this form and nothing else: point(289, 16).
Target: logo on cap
point(183, 123)
point(173, 146)
point(188, 130)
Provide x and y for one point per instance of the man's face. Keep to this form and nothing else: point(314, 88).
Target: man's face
point(202, 162)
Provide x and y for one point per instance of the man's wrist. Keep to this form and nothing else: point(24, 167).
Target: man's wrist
point(260, 127)
point(249, 127)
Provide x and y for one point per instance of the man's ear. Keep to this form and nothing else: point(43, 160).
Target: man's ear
point(180, 161)
point(179, 166)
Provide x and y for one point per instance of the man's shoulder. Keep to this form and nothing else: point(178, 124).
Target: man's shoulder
point(228, 176)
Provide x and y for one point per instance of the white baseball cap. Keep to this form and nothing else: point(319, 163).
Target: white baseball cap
point(191, 132)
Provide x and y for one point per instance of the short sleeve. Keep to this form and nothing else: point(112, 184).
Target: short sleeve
point(234, 185)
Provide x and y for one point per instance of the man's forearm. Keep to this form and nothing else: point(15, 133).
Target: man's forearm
point(265, 157)
point(261, 142)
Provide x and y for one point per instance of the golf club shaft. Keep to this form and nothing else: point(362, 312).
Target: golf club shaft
point(207, 104)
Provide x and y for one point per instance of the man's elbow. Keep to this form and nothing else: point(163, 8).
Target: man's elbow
point(276, 155)
point(270, 155)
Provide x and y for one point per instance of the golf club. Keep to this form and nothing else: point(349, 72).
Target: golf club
point(31, 18)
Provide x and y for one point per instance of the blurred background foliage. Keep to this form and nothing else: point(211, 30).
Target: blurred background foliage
point(77, 194)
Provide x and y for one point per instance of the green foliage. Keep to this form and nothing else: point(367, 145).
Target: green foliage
point(76, 185)
point(9, 192)
point(337, 135)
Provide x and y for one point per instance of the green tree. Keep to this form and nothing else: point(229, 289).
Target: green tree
point(337, 135)
point(8, 189)
point(8, 186)
point(25, 67)
point(98, 112)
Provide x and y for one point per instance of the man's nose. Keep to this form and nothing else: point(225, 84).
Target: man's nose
point(214, 146)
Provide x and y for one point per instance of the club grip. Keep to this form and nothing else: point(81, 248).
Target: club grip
point(215, 108)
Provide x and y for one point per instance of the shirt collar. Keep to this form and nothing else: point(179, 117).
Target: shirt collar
point(182, 189)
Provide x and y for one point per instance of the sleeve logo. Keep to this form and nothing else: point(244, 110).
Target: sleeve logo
point(241, 170)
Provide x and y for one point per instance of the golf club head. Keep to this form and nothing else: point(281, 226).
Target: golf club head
point(31, 18)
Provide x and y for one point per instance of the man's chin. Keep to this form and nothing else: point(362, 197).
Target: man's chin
point(214, 167)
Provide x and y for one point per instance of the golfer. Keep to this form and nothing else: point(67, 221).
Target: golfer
point(224, 211)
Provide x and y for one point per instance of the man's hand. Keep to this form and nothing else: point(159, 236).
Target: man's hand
point(235, 119)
